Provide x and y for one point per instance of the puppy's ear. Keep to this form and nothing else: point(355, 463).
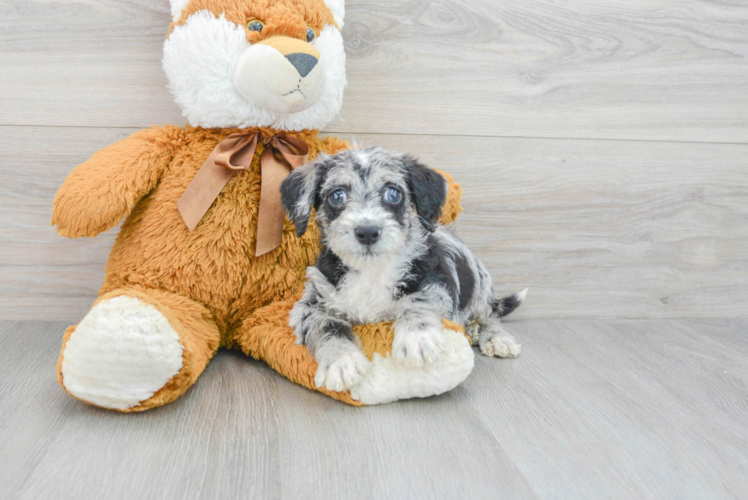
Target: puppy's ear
point(428, 190)
point(299, 192)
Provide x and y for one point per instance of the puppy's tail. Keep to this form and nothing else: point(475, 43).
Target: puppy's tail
point(504, 306)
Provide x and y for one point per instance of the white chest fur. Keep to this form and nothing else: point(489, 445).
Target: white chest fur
point(368, 295)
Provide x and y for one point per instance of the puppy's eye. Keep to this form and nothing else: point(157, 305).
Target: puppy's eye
point(337, 198)
point(392, 195)
point(255, 25)
point(311, 35)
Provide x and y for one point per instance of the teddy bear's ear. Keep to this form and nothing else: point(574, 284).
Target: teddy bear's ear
point(177, 6)
point(337, 7)
point(299, 192)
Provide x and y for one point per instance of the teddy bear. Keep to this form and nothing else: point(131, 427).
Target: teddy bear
point(205, 257)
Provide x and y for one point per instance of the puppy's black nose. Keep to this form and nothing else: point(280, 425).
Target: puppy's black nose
point(368, 235)
point(304, 63)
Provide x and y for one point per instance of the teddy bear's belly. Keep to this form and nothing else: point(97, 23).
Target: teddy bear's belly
point(215, 264)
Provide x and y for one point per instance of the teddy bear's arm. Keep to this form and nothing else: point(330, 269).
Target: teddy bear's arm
point(100, 192)
point(452, 207)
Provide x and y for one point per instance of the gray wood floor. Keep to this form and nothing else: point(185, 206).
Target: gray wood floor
point(592, 409)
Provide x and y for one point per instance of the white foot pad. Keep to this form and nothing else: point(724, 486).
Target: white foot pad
point(122, 352)
point(389, 379)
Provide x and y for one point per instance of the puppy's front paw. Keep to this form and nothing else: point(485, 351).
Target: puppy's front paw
point(342, 372)
point(503, 346)
point(416, 347)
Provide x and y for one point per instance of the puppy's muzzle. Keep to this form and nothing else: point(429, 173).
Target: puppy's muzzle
point(368, 235)
point(280, 73)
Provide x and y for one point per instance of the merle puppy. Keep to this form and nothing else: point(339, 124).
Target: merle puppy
point(384, 258)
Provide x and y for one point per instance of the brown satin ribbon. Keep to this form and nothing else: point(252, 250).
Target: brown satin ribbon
point(282, 154)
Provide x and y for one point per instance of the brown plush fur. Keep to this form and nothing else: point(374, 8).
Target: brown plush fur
point(207, 283)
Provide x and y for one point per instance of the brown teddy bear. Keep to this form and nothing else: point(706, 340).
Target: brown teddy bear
point(205, 258)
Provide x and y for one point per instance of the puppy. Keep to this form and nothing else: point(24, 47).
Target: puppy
point(385, 258)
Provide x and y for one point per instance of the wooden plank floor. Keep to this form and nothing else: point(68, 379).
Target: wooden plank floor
point(592, 409)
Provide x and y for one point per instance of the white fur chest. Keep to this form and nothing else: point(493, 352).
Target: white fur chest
point(367, 296)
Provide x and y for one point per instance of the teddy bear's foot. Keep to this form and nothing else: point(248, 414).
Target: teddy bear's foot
point(266, 334)
point(389, 378)
point(122, 352)
point(127, 355)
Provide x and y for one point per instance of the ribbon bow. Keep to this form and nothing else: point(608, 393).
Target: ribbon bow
point(282, 154)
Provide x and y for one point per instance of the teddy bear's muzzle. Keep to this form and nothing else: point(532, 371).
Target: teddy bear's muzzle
point(281, 74)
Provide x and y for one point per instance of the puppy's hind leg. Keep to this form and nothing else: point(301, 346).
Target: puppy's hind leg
point(495, 341)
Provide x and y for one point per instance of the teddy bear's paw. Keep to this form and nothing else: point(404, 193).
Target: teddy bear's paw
point(389, 379)
point(340, 367)
point(122, 352)
point(417, 347)
point(502, 346)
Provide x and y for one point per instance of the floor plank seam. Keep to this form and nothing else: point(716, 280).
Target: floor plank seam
point(404, 134)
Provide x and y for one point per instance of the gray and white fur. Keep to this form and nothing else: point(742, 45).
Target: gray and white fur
point(385, 258)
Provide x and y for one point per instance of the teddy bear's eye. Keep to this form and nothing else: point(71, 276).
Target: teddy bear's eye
point(311, 35)
point(255, 25)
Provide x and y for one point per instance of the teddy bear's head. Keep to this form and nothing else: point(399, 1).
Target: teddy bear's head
point(256, 63)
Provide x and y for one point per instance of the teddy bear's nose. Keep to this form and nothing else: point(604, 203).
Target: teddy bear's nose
point(304, 63)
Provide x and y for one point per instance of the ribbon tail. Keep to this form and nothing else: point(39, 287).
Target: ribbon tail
point(202, 192)
point(270, 217)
